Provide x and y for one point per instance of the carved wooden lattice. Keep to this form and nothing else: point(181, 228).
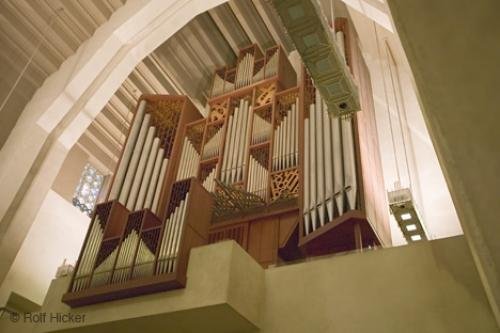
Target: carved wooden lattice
point(206, 170)
point(237, 233)
point(151, 238)
point(218, 111)
point(284, 103)
point(165, 116)
point(179, 192)
point(285, 184)
point(265, 94)
point(265, 113)
point(194, 134)
point(107, 247)
point(230, 200)
point(102, 211)
point(258, 65)
point(261, 154)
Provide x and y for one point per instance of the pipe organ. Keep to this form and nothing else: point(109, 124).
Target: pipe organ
point(139, 239)
point(268, 166)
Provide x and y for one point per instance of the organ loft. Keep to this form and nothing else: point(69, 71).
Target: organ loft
point(268, 166)
point(249, 166)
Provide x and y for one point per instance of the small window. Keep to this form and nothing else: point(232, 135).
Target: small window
point(88, 189)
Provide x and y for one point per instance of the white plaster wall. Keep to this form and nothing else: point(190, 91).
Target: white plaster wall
point(57, 234)
point(422, 172)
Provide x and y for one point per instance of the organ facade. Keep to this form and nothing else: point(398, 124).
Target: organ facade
point(267, 167)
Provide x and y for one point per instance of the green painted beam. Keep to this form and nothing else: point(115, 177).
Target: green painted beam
point(311, 35)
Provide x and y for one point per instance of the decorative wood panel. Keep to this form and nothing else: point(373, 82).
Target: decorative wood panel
point(284, 184)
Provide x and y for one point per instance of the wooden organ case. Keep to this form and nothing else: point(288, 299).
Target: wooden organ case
point(267, 167)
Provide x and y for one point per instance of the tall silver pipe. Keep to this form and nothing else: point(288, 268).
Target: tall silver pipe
point(312, 170)
point(134, 191)
point(320, 169)
point(338, 167)
point(162, 257)
point(159, 186)
point(177, 240)
point(275, 149)
point(328, 163)
point(147, 174)
point(349, 162)
point(154, 179)
point(127, 152)
point(339, 36)
point(307, 161)
point(296, 130)
point(227, 148)
point(241, 139)
point(247, 137)
point(173, 233)
point(127, 183)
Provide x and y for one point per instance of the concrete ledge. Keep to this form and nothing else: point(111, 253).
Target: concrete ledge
point(224, 292)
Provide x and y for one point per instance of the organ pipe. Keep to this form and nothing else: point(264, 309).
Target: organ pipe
point(134, 161)
point(236, 143)
point(170, 241)
point(127, 152)
point(285, 145)
point(329, 166)
point(154, 184)
point(339, 38)
point(258, 149)
point(147, 174)
point(134, 191)
point(190, 159)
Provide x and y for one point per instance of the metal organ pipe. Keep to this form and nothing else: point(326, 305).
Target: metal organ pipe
point(211, 148)
point(338, 167)
point(127, 152)
point(320, 166)
point(134, 191)
point(127, 183)
point(312, 167)
point(156, 198)
point(339, 38)
point(227, 144)
point(349, 162)
point(307, 161)
point(329, 166)
point(328, 163)
point(209, 182)
point(154, 179)
point(125, 257)
point(285, 145)
point(236, 146)
point(171, 238)
point(177, 235)
point(237, 141)
point(190, 159)
point(260, 129)
point(144, 260)
point(272, 65)
point(89, 255)
point(103, 271)
point(147, 174)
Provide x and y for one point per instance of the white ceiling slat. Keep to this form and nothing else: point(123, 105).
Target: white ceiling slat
point(22, 56)
point(100, 144)
point(184, 64)
point(42, 24)
point(251, 22)
point(105, 134)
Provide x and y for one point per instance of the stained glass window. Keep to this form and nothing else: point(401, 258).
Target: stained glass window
point(88, 189)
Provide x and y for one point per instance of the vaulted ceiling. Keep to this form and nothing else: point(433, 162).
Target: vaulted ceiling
point(37, 36)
